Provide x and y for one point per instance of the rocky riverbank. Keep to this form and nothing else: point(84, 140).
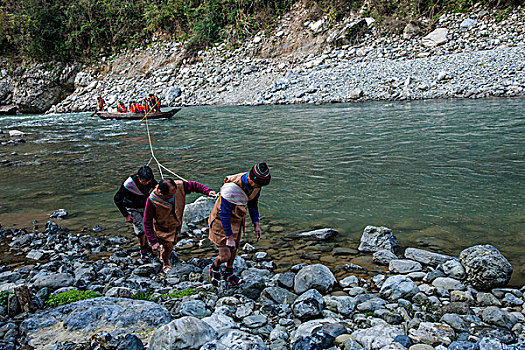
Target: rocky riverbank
point(423, 300)
point(472, 55)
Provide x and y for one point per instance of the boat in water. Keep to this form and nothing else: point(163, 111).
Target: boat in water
point(138, 116)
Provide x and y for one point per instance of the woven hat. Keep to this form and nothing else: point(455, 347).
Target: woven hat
point(260, 174)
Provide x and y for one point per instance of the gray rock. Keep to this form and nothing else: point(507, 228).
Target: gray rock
point(448, 283)
point(512, 300)
point(468, 23)
point(454, 269)
point(308, 305)
point(314, 277)
point(377, 238)
point(120, 292)
point(411, 30)
point(486, 267)
point(183, 333)
point(236, 340)
point(286, 280)
point(350, 281)
point(456, 322)
point(425, 257)
point(317, 235)
point(276, 295)
point(77, 321)
point(372, 304)
point(378, 336)
point(199, 210)
point(9, 276)
point(498, 317)
point(487, 299)
point(195, 308)
point(220, 322)
point(355, 94)
point(433, 333)
point(171, 95)
point(383, 257)
point(404, 266)
point(396, 287)
point(437, 37)
point(54, 281)
point(343, 305)
point(255, 321)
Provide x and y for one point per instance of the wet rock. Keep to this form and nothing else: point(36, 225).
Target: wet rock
point(404, 266)
point(59, 214)
point(425, 257)
point(377, 238)
point(317, 235)
point(314, 277)
point(183, 333)
point(486, 267)
point(383, 257)
point(308, 305)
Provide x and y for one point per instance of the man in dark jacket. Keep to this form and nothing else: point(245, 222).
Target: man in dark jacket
point(131, 200)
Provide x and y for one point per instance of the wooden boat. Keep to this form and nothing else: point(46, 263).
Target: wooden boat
point(138, 116)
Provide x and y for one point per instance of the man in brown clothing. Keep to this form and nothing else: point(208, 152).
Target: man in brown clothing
point(239, 194)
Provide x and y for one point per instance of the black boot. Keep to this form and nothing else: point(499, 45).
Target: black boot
point(229, 276)
point(215, 275)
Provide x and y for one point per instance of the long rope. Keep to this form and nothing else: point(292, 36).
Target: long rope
point(159, 165)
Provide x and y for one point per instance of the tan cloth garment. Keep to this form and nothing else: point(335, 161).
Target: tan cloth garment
point(168, 219)
point(238, 216)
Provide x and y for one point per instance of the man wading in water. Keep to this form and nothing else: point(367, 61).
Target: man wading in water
point(131, 200)
point(239, 194)
point(163, 214)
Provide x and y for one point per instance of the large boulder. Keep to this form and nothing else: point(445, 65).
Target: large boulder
point(54, 281)
point(437, 37)
point(183, 333)
point(80, 320)
point(198, 210)
point(486, 267)
point(377, 238)
point(396, 287)
point(171, 95)
point(314, 277)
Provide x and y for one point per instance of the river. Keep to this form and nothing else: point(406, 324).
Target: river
point(442, 174)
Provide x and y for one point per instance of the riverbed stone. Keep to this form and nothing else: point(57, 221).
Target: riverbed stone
point(317, 235)
point(236, 340)
point(437, 37)
point(396, 287)
point(195, 308)
point(426, 257)
point(183, 333)
point(433, 333)
point(404, 266)
point(448, 283)
point(308, 305)
point(54, 281)
point(78, 320)
point(498, 317)
point(376, 238)
point(199, 210)
point(314, 276)
point(276, 295)
point(384, 256)
point(378, 336)
point(486, 267)
point(454, 269)
point(220, 322)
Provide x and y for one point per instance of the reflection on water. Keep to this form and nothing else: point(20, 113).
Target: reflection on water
point(441, 174)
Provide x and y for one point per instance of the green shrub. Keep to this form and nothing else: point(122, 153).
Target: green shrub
point(4, 295)
point(70, 297)
point(145, 295)
point(181, 293)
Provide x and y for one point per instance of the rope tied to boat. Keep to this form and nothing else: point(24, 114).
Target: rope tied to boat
point(153, 157)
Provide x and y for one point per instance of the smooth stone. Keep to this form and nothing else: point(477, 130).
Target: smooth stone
point(183, 333)
point(396, 287)
point(404, 266)
point(383, 257)
point(448, 283)
point(314, 277)
point(425, 257)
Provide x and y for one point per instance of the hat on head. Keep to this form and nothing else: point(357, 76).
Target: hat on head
point(260, 174)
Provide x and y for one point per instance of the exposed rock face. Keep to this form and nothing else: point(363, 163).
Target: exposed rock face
point(377, 238)
point(78, 320)
point(486, 267)
point(39, 87)
point(6, 89)
point(183, 333)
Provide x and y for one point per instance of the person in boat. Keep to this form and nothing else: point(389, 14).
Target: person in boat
point(121, 108)
point(131, 201)
point(239, 194)
point(163, 214)
point(154, 102)
point(100, 104)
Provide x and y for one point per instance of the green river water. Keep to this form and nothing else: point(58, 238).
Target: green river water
point(443, 175)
